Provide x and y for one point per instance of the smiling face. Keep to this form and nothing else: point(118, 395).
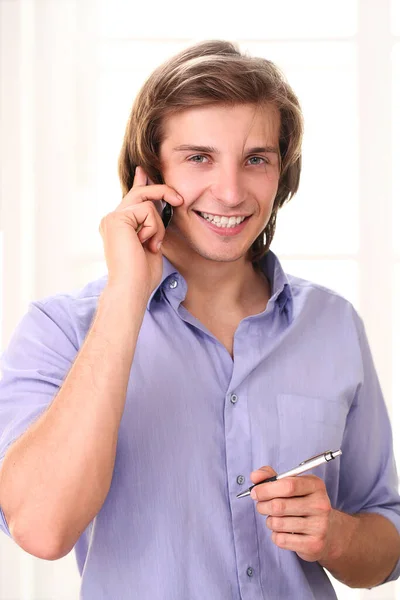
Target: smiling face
point(224, 161)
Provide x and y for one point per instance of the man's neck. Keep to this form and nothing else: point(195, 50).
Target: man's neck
point(232, 286)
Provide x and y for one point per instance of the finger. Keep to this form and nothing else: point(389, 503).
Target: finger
point(147, 223)
point(309, 548)
point(152, 225)
point(284, 507)
point(262, 473)
point(140, 177)
point(142, 193)
point(317, 526)
point(302, 485)
point(304, 506)
point(288, 524)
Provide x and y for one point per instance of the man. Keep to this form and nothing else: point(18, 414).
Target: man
point(135, 411)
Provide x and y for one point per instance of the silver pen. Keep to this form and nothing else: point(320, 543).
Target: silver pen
point(306, 465)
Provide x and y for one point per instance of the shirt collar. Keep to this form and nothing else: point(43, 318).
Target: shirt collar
point(281, 291)
point(169, 273)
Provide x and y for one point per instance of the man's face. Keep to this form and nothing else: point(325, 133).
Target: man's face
point(224, 162)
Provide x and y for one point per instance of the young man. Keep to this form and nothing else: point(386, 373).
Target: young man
point(134, 411)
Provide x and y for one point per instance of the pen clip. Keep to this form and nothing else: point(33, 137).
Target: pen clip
point(323, 454)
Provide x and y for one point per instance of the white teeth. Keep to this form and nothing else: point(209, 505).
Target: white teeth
point(222, 221)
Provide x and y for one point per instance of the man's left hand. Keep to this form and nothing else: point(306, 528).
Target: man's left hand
point(298, 512)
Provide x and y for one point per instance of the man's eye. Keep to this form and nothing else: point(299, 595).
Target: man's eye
point(257, 160)
point(198, 158)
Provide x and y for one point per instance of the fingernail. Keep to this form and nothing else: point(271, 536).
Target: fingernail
point(159, 245)
point(253, 494)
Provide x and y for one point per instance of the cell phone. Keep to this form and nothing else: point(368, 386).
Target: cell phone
point(164, 209)
point(166, 213)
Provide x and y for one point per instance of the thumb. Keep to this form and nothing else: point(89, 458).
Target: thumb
point(262, 473)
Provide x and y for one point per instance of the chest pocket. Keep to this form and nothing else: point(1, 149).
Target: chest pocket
point(308, 426)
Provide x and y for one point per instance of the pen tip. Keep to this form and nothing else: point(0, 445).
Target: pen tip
point(243, 494)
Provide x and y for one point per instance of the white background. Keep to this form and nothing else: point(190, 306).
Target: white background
point(69, 72)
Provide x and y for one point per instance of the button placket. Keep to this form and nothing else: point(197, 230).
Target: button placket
point(238, 449)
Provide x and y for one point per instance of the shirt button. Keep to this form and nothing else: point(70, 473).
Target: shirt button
point(250, 572)
point(173, 283)
point(234, 398)
point(240, 479)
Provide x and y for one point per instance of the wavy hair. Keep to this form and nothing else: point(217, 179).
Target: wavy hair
point(207, 73)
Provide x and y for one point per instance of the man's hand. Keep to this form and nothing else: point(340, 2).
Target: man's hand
point(298, 512)
point(132, 235)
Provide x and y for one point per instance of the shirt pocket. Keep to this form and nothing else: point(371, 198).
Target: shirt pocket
point(308, 426)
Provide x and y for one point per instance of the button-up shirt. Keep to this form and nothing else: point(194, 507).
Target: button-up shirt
point(197, 422)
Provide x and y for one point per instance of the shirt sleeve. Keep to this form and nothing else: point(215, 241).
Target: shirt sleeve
point(33, 367)
point(368, 477)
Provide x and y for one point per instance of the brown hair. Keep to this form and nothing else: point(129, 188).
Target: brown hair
point(213, 72)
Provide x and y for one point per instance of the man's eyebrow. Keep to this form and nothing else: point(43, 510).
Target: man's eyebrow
point(212, 150)
point(192, 148)
point(261, 149)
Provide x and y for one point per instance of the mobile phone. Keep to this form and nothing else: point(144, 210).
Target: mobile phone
point(164, 209)
point(166, 213)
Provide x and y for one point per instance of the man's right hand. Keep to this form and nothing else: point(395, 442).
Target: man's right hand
point(132, 235)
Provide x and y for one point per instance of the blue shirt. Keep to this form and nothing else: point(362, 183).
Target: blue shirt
point(196, 423)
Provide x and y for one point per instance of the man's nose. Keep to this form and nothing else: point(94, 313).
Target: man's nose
point(228, 186)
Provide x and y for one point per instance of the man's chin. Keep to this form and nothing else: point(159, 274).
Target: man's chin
point(181, 247)
point(220, 257)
